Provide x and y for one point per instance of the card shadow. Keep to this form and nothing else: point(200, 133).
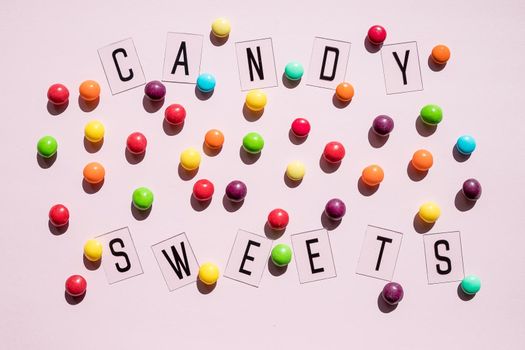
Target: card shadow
point(248, 158)
point(150, 105)
point(414, 174)
point(204, 288)
point(134, 158)
point(46, 163)
point(423, 129)
point(275, 270)
point(90, 188)
point(462, 203)
point(93, 147)
point(71, 300)
point(138, 214)
point(365, 189)
point(434, 66)
point(198, 205)
point(421, 226)
point(91, 265)
point(371, 48)
point(272, 233)
point(171, 129)
point(218, 41)
point(375, 140)
point(251, 116)
point(54, 109)
point(203, 96)
point(458, 156)
point(328, 223)
point(57, 230)
point(290, 84)
point(383, 306)
point(231, 206)
point(88, 106)
point(464, 296)
point(186, 175)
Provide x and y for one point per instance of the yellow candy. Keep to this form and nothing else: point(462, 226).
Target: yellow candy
point(255, 100)
point(93, 250)
point(190, 159)
point(429, 212)
point(94, 131)
point(221, 27)
point(208, 273)
point(295, 170)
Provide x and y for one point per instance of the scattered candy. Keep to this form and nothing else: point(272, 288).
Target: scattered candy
point(281, 255)
point(93, 250)
point(377, 34)
point(94, 131)
point(440, 54)
point(278, 219)
point(295, 170)
point(208, 273)
point(236, 191)
point(142, 198)
point(221, 27)
point(203, 190)
point(206, 82)
point(472, 189)
point(466, 145)
point(155, 90)
point(136, 143)
point(431, 114)
point(253, 143)
point(94, 173)
point(383, 125)
point(175, 114)
point(256, 100)
point(392, 293)
point(76, 285)
point(300, 127)
point(59, 215)
point(372, 175)
point(422, 160)
point(429, 212)
point(190, 159)
point(471, 284)
point(344, 92)
point(89, 90)
point(47, 146)
point(214, 139)
point(335, 209)
point(58, 94)
point(294, 71)
point(334, 152)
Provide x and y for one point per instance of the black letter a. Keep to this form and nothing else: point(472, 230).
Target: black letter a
point(184, 62)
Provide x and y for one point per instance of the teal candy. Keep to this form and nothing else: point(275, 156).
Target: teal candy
point(471, 284)
point(431, 114)
point(294, 70)
point(466, 144)
point(206, 82)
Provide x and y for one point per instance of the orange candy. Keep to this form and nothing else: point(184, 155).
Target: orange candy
point(422, 160)
point(372, 175)
point(214, 139)
point(89, 90)
point(344, 92)
point(94, 173)
point(440, 54)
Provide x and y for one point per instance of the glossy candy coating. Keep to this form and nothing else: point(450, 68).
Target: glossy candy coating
point(383, 125)
point(58, 94)
point(206, 82)
point(175, 114)
point(392, 293)
point(155, 90)
point(294, 71)
point(376, 34)
point(335, 209)
point(431, 114)
point(253, 142)
point(300, 127)
point(256, 100)
point(429, 212)
point(281, 255)
point(344, 92)
point(372, 175)
point(334, 152)
point(295, 170)
point(142, 198)
point(471, 189)
point(203, 190)
point(58, 215)
point(94, 131)
point(136, 143)
point(440, 54)
point(221, 27)
point(94, 173)
point(76, 285)
point(278, 219)
point(208, 273)
point(190, 159)
point(422, 160)
point(236, 191)
point(89, 90)
point(471, 284)
point(214, 139)
point(466, 144)
point(93, 250)
point(47, 146)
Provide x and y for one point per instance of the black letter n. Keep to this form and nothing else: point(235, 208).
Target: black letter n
point(253, 64)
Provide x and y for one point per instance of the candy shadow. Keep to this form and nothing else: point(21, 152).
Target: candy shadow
point(54, 109)
point(210, 152)
point(370, 47)
point(46, 163)
point(231, 206)
point(93, 147)
point(375, 140)
point(296, 140)
point(218, 41)
point(275, 270)
point(434, 66)
point(328, 223)
point(423, 129)
point(414, 174)
point(458, 156)
point(462, 203)
point(198, 205)
point(170, 129)
point(90, 188)
point(186, 175)
point(290, 84)
point(71, 300)
point(151, 106)
point(88, 106)
point(365, 189)
point(134, 158)
point(464, 296)
point(138, 214)
point(57, 230)
point(272, 233)
point(338, 103)
point(91, 265)
point(327, 166)
point(251, 116)
point(383, 306)
point(204, 288)
point(291, 183)
point(248, 158)
point(421, 226)
point(203, 96)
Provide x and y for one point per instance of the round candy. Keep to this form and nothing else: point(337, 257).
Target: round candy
point(431, 114)
point(429, 212)
point(376, 34)
point(335, 209)
point(466, 145)
point(214, 139)
point(190, 159)
point(47, 146)
point(175, 114)
point(94, 173)
point(256, 100)
point(208, 273)
point(93, 250)
point(471, 284)
point(136, 143)
point(236, 191)
point(76, 285)
point(440, 54)
point(295, 170)
point(472, 189)
point(278, 219)
point(383, 125)
point(344, 92)
point(206, 82)
point(392, 293)
point(58, 94)
point(221, 27)
point(422, 160)
point(94, 131)
point(155, 90)
point(142, 198)
point(89, 90)
point(334, 152)
point(294, 71)
point(253, 142)
point(301, 127)
point(59, 215)
point(203, 190)
point(372, 175)
point(281, 255)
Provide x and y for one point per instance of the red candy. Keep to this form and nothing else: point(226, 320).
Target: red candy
point(136, 143)
point(175, 114)
point(334, 152)
point(300, 127)
point(58, 215)
point(76, 285)
point(58, 94)
point(376, 35)
point(203, 190)
point(278, 219)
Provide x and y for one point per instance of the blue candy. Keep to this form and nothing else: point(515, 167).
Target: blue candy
point(206, 82)
point(466, 144)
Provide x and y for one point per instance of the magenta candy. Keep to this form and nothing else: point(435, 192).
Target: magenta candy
point(335, 209)
point(392, 293)
point(472, 189)
point(155, 90)
point(236, 191)
point(383, 125)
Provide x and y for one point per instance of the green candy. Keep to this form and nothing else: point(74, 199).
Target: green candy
point(281, 255)
point(253, 142)
point(431, 114)
point(142, 198)
point(294, 70)
point(47, 146)
point(471, 284)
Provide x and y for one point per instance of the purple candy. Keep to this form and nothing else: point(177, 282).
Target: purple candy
point(155, 90)
point(383, 125)
point(335, 209)
point(236, 191)
point(392, 293)
point(472, 189)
